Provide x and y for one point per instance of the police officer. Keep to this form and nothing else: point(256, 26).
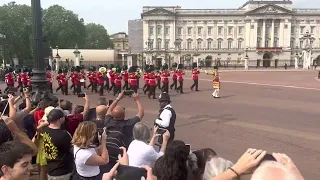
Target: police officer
point(167, 116)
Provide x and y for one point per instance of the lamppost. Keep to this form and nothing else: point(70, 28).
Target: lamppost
point(307, 51)
point(246, 59)
point(177, 44)
point(57, 59)
point(81, 60)
point(3, 37)
point(149, 47)
point(196, 54)
point(39, 81)
point(296, 58)
point(50, 59)
point(76, 53)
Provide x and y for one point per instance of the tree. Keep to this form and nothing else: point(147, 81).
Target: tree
point(15, 24)
point(97, 37)
point(63, 28)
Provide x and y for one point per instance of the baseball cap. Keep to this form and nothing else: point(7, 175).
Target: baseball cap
point(55, 114)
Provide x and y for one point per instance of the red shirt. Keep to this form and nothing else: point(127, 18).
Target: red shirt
point(158, 76)
point(19, 78)
point(49, 77)
point(9, 78)
point(99, 77)
point(117, 79)
point(195, 74)
point(29, 82)
point(112, 76)
point(64, 79)
point(165, 77)
point(180, 75)
point(152, 79)
point(76, 78)
point(93, 77)
point(24, 78)
point(72, 122)
point(132, 80)
point(38, 116)
point(125, 76)
point(174, 74)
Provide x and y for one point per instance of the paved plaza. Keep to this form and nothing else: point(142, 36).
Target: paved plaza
point(274, 111)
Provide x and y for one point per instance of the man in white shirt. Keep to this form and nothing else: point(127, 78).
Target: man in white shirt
point(167, 116)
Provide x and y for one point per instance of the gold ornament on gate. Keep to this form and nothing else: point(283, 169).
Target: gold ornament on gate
point(102, 69)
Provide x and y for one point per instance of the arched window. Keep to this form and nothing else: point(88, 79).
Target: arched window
point(159, 44)
point(276, 42)
point(209, 43)
point(199, 43)
point(189, 44)
point(230, 42)
point(220, 43)
point(240, 43)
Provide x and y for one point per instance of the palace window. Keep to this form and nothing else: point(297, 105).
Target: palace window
point(312, 29)
point(189, 44)
point(259, 42)
point(276, 29)
point(219, 43)
point(166, 45)
point(230, 43)
point(276, 42)
point(292, 29)
point(151, 31)
point(240, 30)
point(240, 44)
point(266, 44)
point(301, 43)
point(209, 31)
point(179, 30)
point(199, 30)
point(151, 44)
point(166, 30)
point(301, 29)
point(159, 44)
point(189, 30)
point(209, 44)
point(259, 30)
point(159, 29)
point(199, 44)
point(292, 43)
point(230, 31)
point(220, 30)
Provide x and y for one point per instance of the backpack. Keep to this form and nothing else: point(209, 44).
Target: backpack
point(116, 138)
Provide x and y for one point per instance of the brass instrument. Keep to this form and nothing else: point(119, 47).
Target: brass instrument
point(102, 69)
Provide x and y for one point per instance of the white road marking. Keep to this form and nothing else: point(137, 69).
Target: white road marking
point(263, 84)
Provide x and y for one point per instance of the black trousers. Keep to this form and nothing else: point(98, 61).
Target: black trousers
point(134, 88)
point(77, 89)
point(64, 89)
point(174, 83)
point(195, 84)
point(59, 87)
point(138, 85)
point(112, 87)
point(107, 86)
point(90, 84)
point(117, 89)
point(180, 87)
point(159, 83)
point(165, 87)
point(125, 86)
point(152, 91)
point(50, 87)
point(101, 87)
point(146, 89)
point(94, 87)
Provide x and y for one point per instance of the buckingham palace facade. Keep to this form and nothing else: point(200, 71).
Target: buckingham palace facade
point(268, 33)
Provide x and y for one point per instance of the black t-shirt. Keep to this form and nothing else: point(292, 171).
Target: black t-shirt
point(91, 114)
point(57, 143)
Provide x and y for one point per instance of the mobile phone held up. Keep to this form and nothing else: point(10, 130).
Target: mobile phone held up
point(110, 102)
point(188, 146)
point(161, 131)
point(81, 94)
point(128, 92)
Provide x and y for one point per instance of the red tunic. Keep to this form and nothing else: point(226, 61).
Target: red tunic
point(76, 78)
point(165, 77)
point(125, 76)
point(64, 79)
point(195, 74)
point(112, 76)
point(93, 77)
point(100, 78)
point(24, 78)
point(174, 74)
point(49, 77)
point(19, 78)
point(117, 79)
point(29, 82)
point(9, 79)
point(152, 79)
point(180, 75)
point(132, 80)
point(158, 76)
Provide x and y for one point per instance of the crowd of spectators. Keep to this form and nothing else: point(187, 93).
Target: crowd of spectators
point(55, 141)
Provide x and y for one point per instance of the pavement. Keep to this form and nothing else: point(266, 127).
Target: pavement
point(274, 111)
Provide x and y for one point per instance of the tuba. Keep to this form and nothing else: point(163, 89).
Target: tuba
point(102, 69)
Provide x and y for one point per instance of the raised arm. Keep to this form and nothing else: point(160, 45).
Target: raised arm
point(86, 107)
point(140, 113)
point(114, 104)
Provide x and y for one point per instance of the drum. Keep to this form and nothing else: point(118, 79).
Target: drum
point(216, 85)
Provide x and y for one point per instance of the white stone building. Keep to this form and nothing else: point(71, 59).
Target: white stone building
point(270, 33)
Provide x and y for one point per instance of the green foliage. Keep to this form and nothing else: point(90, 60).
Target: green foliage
point(97, 37)
point(61, 27)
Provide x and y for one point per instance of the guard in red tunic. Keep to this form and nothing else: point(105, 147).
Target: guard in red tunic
point(180, 79)
point(64, 78)
point(29, 83)
point(82, 75)
point(24, 77)
point(106, 78)
point(49, 78)
point(111, 76)
point(59, 80)
point(18, 77)
point(165, 80)
point(89, 76)
point(100, 76)
point(152, 84)
point(133, 80)
point(195, 77)
point(72, 72)
point(117, 81)
point(145, 78)
point(76, 77)
point(158, 77)
point(174, 77)
point(125, 77)
point(9, 79)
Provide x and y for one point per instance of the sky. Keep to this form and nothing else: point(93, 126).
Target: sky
point(114, 14)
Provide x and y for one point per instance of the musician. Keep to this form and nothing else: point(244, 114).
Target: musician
point(138, 76)
point(216, 81)
point(117, 81)
point(49, 78)
point(180, 79)
point(195, 77)
point(100, 79)
point(107, 79)
point(125, 77)
point(111, 76)
point(59, 80)
point(64, 78)
point(18, 76)
point(9, 79)
point(165, 80)
point(76, 79)
point(72, 72)
point(29, 83)
point(82, 75)
point(174, 77)
point(133, 80)
point(89, 75)
point(152, 85)
point(146, 86)
point(24, 77)
point(158, 78)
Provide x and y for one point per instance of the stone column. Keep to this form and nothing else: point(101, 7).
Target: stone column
point(122, 58)
point(246, 62)
point(272, 33)
point(77, 56)
point(129, 60)
point(50, 61)
point(263, 33)
point(58, 59)
point(296, 62)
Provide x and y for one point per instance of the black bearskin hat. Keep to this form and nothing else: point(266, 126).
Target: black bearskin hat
point(174, 65)
point(60, 71)
point(65, 70)
point(165, 66)
point(77, 68)
point(24, 69)
point(72, 69)
point(194, 65)
point(125, 67)
point(215, 67)
point(180, 66)
point(111, 66)
point(18, 70)
point(48, 68)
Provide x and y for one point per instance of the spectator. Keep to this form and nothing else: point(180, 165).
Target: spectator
point(216, 166)
point(101, 112)
point(73, 120)
point(15, 161)
point(173, 164)
point(92, 111)
point(203, 155)
point(167, 116)
point(140, 152)
point(87, 158)
point(57, 143)
point(38, 114)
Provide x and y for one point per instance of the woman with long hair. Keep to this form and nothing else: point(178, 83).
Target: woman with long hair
point(87, 157)
point(173, 164)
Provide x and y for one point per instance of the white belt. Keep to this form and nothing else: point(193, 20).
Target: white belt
point(81, 80)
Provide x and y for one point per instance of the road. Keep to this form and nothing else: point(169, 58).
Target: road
point(274, 111)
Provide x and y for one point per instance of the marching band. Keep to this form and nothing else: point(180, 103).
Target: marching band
point(119, 79)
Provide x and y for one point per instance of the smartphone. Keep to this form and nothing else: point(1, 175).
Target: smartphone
point(188, 146)
point(130, 172)
point(268, 157)
point(161, 131)
point(81, 95)
point(110, 102)
point(128, 93)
